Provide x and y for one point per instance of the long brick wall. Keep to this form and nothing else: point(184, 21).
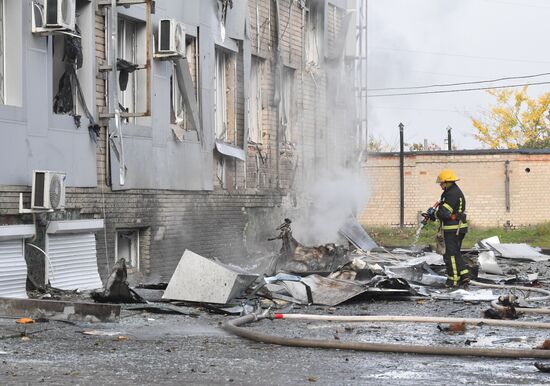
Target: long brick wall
point(482, 178)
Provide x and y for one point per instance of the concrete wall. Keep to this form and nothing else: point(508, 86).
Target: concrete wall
point(482, 179)
point(172, 196)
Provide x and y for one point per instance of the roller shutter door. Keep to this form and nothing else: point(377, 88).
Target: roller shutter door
point(13, 269)
point(73, 261)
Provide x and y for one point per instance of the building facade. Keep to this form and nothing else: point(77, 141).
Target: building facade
point(191, 140)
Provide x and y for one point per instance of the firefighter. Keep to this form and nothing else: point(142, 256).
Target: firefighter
point(451, 214)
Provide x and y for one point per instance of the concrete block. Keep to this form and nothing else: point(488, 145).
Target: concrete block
point(198, 279)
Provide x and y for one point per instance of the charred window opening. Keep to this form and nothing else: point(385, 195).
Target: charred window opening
point(255, 127)
point(127, 247)
point(225, 94)
point(314, 33)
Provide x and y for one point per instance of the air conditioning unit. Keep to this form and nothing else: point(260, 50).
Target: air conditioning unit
point(171, 37)
point(59, 15)
point(48, 190)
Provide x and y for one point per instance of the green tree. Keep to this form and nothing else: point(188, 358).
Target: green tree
point(516, 120)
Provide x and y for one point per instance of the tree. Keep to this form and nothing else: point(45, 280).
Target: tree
point(516, 120)
point(377, 145)
point(423, 146)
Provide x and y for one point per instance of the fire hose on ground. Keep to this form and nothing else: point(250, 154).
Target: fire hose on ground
point(234, 326)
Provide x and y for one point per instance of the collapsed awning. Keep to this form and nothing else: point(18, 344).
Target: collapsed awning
point(230, 150)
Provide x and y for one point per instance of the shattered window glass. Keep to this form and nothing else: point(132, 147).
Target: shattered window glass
point(221, 95)
point(178, 113)
point(127, 50)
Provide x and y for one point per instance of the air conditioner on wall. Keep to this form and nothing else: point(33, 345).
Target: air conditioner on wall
point(48, 190)
point(55, 15)
point(171, 38)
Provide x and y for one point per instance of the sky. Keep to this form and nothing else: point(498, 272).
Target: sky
point(425, 42)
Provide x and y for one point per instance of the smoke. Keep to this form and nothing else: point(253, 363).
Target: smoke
point(331, 200)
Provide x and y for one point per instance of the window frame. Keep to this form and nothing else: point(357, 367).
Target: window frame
point(133, 260)
point(255, 127)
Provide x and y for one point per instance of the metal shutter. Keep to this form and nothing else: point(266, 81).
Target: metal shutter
point(73, 261)
point(13, 269)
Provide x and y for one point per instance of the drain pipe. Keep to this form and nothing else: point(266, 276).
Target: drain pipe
point(233, 326)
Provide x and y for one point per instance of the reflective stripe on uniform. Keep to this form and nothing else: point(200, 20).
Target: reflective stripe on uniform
point(448, 207)
point(464, 272)
point(456, 226)
point(455, 272)
point(460, 205)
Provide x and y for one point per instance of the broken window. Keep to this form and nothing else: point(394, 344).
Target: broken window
point(225, 94)
point(255, 113)
point(220, 172)
point(178, 114)
point(314, 34)
point(131, 51)
point(335, 19)
point(287, 104)
point(68, 67)
point(127, 247)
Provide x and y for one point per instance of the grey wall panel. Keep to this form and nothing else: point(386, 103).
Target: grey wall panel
point(14, 152)
point(37, 102)
point(177, 166)
point(31, 137)
point(160, 105)
point(235, 21)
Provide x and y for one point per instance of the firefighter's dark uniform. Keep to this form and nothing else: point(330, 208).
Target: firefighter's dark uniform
point(451, 213)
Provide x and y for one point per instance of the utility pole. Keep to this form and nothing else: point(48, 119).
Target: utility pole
point(449, 138)
point(401, 178)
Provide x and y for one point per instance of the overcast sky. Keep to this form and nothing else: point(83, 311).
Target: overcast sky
point(422, 42)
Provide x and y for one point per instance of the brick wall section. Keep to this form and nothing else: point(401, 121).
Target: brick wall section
point(482, 181)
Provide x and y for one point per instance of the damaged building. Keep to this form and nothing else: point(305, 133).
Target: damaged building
point(139, 129)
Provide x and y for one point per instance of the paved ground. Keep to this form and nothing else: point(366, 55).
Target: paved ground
point(158, 349)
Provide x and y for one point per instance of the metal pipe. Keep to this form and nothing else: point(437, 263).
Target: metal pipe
point(414, 319)
point(148, 56)
point(507, 184)
point(401, 178)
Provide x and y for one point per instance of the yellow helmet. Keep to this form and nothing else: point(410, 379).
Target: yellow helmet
point(446, 175)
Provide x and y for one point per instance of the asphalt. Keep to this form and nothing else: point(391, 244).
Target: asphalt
point(155, 349)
